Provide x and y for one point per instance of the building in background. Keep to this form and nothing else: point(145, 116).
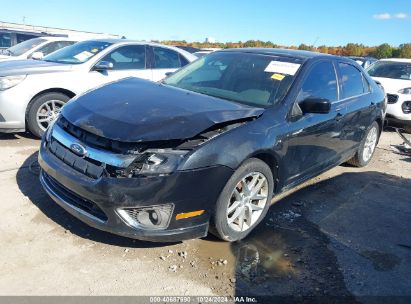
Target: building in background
point(13, 33)
point(210, 40)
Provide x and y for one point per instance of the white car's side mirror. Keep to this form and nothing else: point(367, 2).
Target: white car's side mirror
point(37, 56)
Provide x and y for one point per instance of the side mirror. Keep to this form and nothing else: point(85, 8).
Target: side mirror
point(103, 66)
point(315, 105)
point(37, 56)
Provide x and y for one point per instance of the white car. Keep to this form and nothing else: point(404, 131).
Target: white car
point(32, 92)
point(395, 76)
point(35, 48)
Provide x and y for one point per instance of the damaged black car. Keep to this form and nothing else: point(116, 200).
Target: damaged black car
point(207, 148)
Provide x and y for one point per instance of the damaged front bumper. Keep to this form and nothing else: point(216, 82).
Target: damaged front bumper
point(99, 202)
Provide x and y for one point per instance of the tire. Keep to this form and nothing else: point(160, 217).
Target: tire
point(360, 159)
point(252, 169)
point(41, 106)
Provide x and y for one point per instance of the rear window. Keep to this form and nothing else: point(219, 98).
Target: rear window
point(352, 80)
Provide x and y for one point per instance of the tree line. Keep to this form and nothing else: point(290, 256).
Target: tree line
point(351, 49)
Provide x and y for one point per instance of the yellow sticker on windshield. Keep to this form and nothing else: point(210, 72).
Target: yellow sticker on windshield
point(94, 50)
point(277, 76)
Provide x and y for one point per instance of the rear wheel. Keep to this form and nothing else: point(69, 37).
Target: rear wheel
point(367, 147)
point(43, 111)
point(244, 201)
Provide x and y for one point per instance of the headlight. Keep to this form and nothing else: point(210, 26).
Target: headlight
point(159, 161)
point(8, 82)
point(162, 161)
point(405, 91)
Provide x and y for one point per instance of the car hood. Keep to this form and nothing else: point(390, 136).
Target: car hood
point(28, 67)
point(392, 86)
point(136, 110)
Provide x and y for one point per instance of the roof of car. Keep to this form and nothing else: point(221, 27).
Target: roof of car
point(280, 52)
point(397, 60)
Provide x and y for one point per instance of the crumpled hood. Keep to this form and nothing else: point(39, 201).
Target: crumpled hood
point(392, 86)
point(29, 67)
point(135, 110)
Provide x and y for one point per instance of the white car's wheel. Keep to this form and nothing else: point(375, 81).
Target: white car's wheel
point(43, 111)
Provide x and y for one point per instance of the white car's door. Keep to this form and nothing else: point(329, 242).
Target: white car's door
point(166, 61)
point(128, 61)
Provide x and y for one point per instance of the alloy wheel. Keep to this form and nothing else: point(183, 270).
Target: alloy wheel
point(247, 201)
point(370, 144)
point(48, 112)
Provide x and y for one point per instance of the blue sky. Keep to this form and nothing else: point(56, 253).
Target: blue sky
point(371, 22)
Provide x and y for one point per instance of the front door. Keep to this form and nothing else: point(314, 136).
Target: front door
point(313, 140)
point(128, 61)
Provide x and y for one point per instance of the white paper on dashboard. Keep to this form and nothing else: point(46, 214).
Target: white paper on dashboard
point(282, 67)
point(83, 56)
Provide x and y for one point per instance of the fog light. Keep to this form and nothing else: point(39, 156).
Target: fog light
point(406, 107)
point(148, 218)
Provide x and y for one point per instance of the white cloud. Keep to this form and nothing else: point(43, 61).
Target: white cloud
point(383, 16)
point(401, 16)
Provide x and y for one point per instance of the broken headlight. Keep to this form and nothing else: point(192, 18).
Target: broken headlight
point(159, 161)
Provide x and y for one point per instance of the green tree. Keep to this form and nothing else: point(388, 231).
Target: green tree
point(383, 51)
point(305, 47)
point(405, 50)
point(354, 49)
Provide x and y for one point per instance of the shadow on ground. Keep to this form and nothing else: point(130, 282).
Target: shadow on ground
point(28, 182)
point(346, 237)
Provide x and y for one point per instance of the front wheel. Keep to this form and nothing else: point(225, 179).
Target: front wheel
point(244, 201)
point(367, 147)
point(43, 111)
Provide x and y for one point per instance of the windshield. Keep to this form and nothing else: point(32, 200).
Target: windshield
point(77, 53)
point(251, 79)
point(23, 47)
point(390, 69)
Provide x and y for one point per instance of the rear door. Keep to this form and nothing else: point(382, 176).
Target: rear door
point(313, 139)
point(356, 97)
point(165, 61)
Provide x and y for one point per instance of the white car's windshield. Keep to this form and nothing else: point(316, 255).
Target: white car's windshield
point(390, 69)
point(23, 47)
point(77, 53)
point(251, 79)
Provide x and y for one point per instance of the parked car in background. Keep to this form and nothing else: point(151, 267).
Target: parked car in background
point(209, 145)
point(35, 48)
point(395, 76)
point(189, 49)
point(365, 62)
point(205, 51)
point(32, 92)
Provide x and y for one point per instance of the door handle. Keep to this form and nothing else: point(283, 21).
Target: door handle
point(338, 117)
point(372, 104)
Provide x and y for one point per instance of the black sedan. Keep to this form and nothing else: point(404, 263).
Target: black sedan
point(207, 148)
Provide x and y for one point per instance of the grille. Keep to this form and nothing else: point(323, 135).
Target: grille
point(392, 98)
point(88, 167)
point(96, 141)
point(75, 200)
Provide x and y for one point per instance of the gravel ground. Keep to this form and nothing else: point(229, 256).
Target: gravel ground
point(345, 233)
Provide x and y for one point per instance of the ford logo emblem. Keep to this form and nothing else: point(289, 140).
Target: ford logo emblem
point(78, 149)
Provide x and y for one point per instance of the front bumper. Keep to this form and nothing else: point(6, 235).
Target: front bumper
point(187, 190)
point(395, 111)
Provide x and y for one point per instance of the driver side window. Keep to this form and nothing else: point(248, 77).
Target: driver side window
point(130, 57)
point(321, 82)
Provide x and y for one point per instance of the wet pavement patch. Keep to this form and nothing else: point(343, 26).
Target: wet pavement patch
point(345, 236)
